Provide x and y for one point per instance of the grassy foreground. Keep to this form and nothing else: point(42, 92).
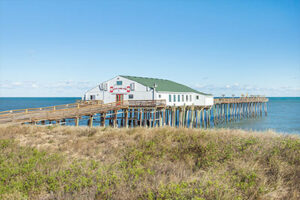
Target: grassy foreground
point(163, 163)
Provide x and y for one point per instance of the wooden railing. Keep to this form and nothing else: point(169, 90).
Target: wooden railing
point(51, 108)
point(241, 100)
point(71, 110)
point(145, 103)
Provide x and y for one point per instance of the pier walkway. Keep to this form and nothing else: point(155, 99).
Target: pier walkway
point(148, 113)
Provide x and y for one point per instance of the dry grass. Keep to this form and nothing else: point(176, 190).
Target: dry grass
point(162, 163)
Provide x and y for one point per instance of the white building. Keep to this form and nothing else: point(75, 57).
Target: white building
point(140, 88)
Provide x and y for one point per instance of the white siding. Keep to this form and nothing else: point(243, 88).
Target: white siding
point(141, 92)
point(203, 99)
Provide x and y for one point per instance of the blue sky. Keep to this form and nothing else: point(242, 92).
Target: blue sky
point(63, 48)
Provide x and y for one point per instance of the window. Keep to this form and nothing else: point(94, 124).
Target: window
point(174, 97)
point(190, 97)
point(159, 96)
point(119, 82)
point(178, 98)
point(170, 98)
point(182, 98)
point(132, 86)
point(197, 97)
point(187, 98)
point(92, 97)
point(130, 96)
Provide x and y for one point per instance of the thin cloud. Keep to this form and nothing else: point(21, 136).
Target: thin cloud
point(238, 89)
point(34, 88)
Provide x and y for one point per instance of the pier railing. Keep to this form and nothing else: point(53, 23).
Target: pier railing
point(241, 100)
point(82, 104)
point(72, 110)
point(51, 108)
point(145, 103)
point(224, 110)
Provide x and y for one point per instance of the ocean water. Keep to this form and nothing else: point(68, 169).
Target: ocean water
point(13, 103)
point(283, 116)
point(283, 112)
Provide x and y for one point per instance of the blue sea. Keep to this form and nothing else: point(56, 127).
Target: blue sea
point(283, 112)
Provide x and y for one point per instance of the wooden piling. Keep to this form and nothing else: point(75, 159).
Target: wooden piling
point(173, 116)
point(76, 121)
point(91, 121)
point(126, 118)
point(192, 117)
point(266, 112)
point(115, 118)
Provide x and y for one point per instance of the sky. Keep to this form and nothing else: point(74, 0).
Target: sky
point(63, 48)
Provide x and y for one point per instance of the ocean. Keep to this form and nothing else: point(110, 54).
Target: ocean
point(283, 112)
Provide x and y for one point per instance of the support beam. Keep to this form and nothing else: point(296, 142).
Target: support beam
point(76, 121)
point(141, 117)
point(115, 118)
point(154, 118)
point(187, 117)
point(164, 117)
point(203, 119)
point(173, 116)
point(91, 121)
point(192, 117)
point(198, 118)
point(126, 118)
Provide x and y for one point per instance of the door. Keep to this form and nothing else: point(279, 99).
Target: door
point(119, 98)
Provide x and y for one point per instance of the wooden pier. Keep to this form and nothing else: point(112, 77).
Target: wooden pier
point(143, 113)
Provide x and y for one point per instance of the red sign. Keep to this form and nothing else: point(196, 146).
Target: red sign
point(112, 89)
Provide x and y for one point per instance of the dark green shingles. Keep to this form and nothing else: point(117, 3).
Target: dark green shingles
point(162, 84)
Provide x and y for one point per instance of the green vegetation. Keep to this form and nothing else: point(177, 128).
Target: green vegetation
point(162, 163)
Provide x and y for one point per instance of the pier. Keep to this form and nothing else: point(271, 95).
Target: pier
point(141, 113)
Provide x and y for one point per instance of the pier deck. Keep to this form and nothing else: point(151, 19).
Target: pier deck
point(149, 113)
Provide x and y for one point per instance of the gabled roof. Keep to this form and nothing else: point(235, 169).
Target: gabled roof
point(162, 84)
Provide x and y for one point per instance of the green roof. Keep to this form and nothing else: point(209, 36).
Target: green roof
point(162, 84)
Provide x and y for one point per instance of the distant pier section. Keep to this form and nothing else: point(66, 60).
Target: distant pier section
point(141, 113)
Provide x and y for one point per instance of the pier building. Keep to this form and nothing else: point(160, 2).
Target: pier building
point(129, 101)
point(122, 88)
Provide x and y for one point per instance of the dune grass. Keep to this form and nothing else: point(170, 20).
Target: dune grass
point(161, 163)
